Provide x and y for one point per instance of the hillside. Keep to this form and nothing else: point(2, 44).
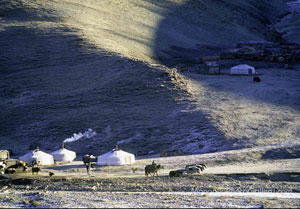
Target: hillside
point(69, 65)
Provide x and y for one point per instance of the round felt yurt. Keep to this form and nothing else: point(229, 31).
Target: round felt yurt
point(116, 157)
point(39, 156)
point(242, 69)
point(63, 155)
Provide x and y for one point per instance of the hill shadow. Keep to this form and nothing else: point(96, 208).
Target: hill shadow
point(195, 28)
point(204, 28)
point(54, 84)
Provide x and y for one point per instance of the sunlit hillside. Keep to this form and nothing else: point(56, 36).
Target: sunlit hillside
point(70, 65)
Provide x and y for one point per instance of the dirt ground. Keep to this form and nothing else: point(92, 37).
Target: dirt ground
point(270, 183)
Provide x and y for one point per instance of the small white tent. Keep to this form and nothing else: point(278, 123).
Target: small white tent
point(242, 69)
point(63, 155)
point(42, 157)
point(116, 157)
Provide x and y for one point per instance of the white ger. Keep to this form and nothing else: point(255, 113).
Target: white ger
point(38, 156)
point(116, 157)
point(242, 69)
point(63, 155)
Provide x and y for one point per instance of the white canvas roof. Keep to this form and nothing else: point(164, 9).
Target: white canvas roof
point(116, 157)
point(242, 69)
point(63, 155)
point(44, 158)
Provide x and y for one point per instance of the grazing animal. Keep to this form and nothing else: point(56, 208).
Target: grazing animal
point(256, 79)
point(177, 173)
point(133, 170)
point(10, 171)
point(195, 168)
point(23, 165)
point(18, 165)
point(51, 173)
point(200, 166)
point(89, 161)
point(36, 170)
point(153, 169)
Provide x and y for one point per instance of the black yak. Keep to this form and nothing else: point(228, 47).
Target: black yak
point(153, 169)
point(89, 161)
point(256, 79)
point(36, 170)
point(177, 173)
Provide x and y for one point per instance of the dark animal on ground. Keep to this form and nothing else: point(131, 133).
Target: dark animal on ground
point(133, 170)
point(200, 166)
point(153, 169)
point(36, 170)
point(177, 173)
point(195, 168)
point(35, 163)
point(51, 174)
point(89, 161)
point(256, 79)
point(18, 165)
point(10, 171)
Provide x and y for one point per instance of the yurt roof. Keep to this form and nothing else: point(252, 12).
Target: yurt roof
point(43, 157)
point(62, 151)
point(243, 66)
point(36, 153)
point(115, 153)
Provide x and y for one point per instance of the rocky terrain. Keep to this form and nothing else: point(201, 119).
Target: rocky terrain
point(224, 183)
point(151, 192)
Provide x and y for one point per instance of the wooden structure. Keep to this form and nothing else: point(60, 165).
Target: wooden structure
point(212, 68)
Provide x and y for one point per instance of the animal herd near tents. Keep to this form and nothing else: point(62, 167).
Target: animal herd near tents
point(36, 159)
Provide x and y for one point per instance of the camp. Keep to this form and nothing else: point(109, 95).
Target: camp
point(242, 69)
point(63, 155)
point(38, 156)
point(116, 157)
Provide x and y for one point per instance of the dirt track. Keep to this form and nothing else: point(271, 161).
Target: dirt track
point(189, 191)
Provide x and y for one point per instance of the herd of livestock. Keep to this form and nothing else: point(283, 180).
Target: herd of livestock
point(90, 161)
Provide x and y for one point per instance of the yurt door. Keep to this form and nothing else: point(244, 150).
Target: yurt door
point(127, 160)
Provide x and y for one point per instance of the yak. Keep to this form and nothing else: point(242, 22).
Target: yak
point(195, 168)
point(89, 161)
point(256, 79)
point(19, 164)
point(10, 171)
point(153, 169)
point(36, 170)
point(177, 173)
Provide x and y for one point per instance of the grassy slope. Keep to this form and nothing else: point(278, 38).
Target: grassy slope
point(66, 67)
